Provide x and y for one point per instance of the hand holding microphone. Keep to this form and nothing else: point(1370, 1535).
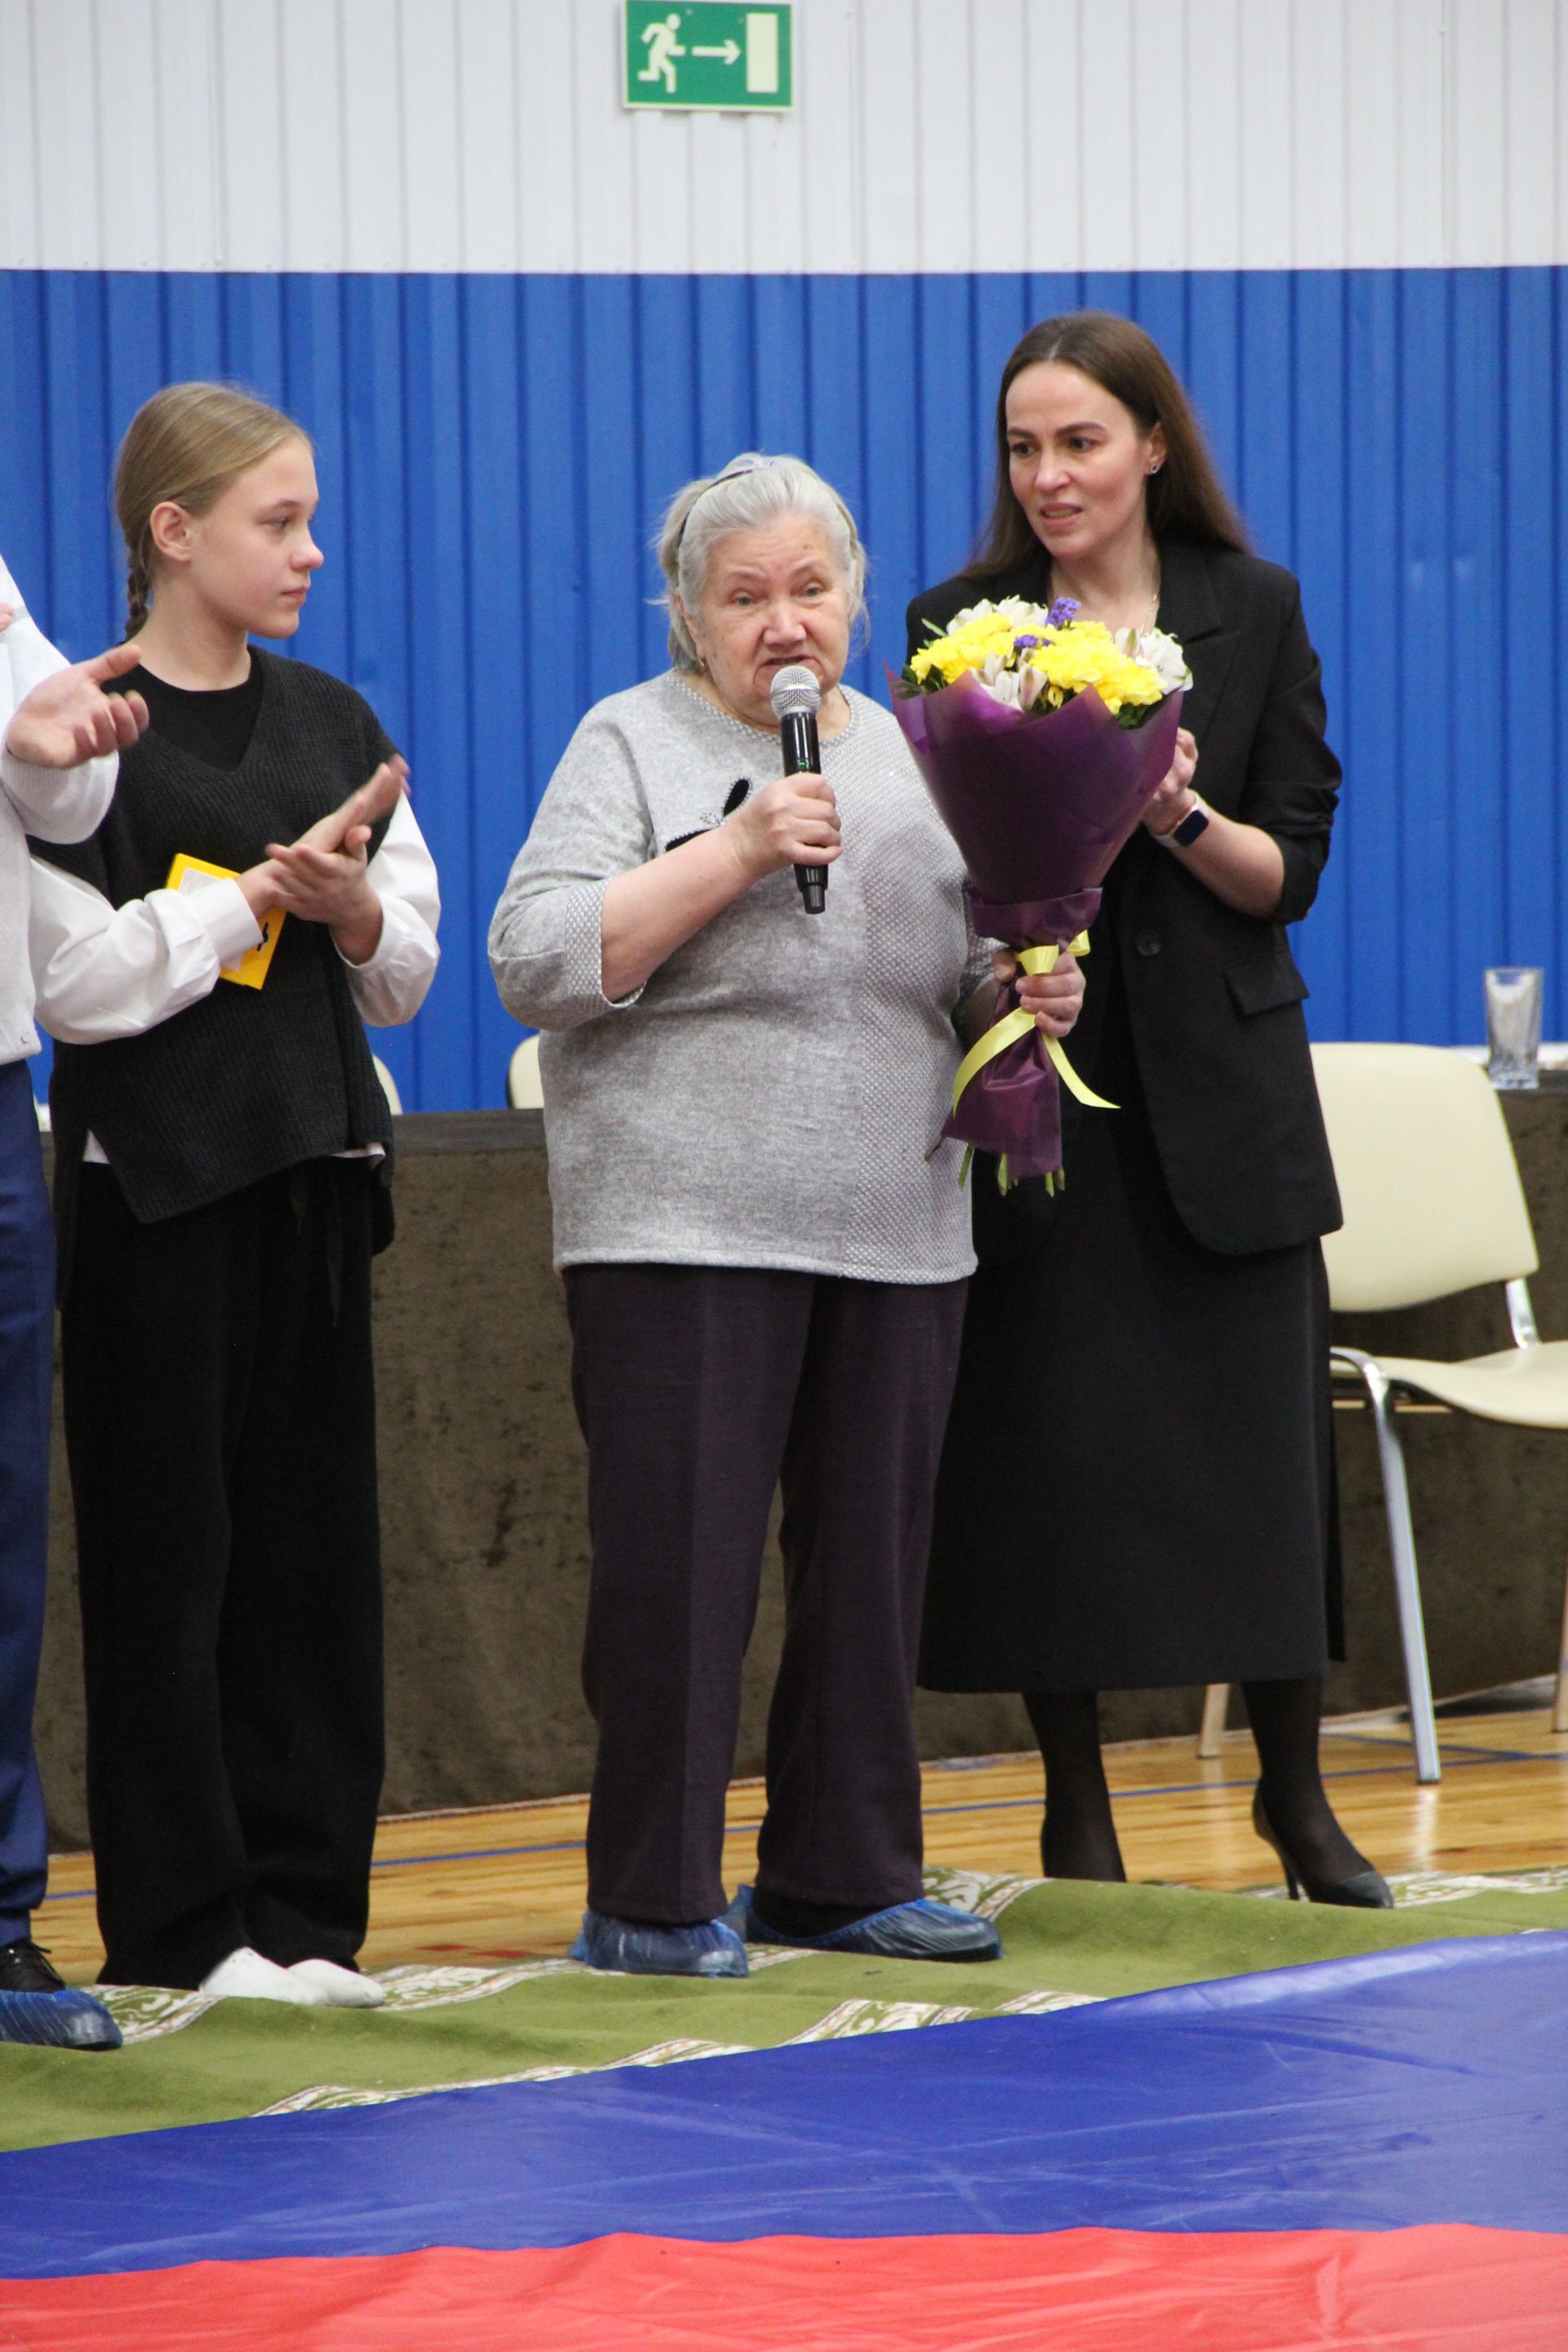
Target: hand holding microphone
point(796, 698)
point(796, 821)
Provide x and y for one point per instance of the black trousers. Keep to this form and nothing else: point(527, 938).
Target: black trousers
point(220, 1423)
point(698, 1390)
point(27, 1363)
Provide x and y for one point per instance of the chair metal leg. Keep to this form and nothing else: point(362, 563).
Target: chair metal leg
point(1559, 1707)
point(1211, 1738)
point(1402, 1544)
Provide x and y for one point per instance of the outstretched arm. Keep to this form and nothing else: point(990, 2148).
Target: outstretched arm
point(60, 755)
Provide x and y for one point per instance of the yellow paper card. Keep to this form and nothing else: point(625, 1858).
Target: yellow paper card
point(188, 874)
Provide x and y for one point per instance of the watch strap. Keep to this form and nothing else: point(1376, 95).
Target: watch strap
point(1196, 821)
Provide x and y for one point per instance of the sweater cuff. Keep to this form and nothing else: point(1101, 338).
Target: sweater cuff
point(584, 950)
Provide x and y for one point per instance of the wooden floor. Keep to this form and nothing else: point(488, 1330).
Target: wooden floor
point(506, 1882)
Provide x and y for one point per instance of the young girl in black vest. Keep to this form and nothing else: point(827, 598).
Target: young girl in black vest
point(206, 962)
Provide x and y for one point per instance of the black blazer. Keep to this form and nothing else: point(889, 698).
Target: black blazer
point(1214, 997)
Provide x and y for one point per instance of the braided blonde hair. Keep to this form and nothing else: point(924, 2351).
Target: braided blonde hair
point(186, 444)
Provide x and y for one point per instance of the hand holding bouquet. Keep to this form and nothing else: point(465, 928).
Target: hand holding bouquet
point(1041, 738)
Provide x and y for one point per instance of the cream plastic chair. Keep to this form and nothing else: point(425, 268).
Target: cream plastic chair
point(1432, 1205)
point(524, 1090)
point(388, 1086)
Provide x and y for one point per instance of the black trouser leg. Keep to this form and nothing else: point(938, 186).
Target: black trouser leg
point(842, 1826)
point(1079, 1836)
point(191, 1353)
point(26, 1349)
point(299, 1661)
point(158, 1324)
point(684, 1378)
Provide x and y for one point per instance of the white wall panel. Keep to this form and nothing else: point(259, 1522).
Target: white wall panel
point(1426, 191)
point(253, 185)
point(1018, 179)
point(929, 135)
point(326, 169)
point(117, 119)
point(1108, 170)
point(1160, 179)
point(1316, 108)
point(1535, 74)
point(359, 111)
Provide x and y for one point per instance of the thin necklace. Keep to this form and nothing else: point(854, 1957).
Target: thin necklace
point(1151, 609)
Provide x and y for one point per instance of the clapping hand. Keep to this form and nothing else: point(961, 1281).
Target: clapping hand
point(361, 810)
point(322, 878)
point(68, 718)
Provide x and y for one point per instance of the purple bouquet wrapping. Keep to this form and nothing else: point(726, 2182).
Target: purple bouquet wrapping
point(1039, 802)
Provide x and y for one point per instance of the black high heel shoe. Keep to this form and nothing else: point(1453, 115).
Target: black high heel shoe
point(1365, 1890)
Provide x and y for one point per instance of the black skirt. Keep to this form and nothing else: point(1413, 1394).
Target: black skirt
point(1137, 1489)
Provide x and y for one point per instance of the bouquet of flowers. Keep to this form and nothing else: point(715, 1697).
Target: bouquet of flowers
point(1041, 738)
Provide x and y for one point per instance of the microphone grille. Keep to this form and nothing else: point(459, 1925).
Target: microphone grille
point(794, 691)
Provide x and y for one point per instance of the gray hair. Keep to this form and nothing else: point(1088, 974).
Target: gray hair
point(751, 492)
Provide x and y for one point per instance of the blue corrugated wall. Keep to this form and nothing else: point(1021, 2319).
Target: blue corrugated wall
point(495, 452)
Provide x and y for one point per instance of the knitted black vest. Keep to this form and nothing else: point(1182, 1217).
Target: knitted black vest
point(250, 1080)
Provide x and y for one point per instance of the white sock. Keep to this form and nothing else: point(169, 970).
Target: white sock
point(339, 1987)
point(246, 1975)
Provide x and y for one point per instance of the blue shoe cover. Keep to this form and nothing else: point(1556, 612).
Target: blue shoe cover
point(634, 1948)
point(70, 2020)
point(921, 1930)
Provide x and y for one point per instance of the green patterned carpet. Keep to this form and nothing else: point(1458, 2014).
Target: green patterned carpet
point(189, 2061)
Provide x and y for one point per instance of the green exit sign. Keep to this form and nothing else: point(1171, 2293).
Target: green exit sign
point(708, 55)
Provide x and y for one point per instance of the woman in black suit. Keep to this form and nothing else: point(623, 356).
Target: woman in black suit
point(1159, 1508)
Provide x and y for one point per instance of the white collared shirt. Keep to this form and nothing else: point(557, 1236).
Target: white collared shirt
point(103, 972)
point(55, 803)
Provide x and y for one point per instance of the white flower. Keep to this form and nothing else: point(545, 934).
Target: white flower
point(1023, 617)
point(1161, 653)
point(1002, 685)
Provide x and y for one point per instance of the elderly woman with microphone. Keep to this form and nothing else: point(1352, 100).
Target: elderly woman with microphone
point(765, 1261)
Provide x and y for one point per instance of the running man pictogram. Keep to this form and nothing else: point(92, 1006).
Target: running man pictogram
point(663, 48)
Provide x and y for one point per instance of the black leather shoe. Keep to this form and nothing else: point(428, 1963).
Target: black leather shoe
point(1365, 1890)
point(37, 2006)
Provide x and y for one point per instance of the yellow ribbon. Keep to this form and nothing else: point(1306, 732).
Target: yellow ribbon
point(1018, 1024)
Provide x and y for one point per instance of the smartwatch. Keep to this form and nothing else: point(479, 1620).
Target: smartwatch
point(1183, 836)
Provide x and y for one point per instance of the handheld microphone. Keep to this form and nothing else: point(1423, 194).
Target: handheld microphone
point(797, 697)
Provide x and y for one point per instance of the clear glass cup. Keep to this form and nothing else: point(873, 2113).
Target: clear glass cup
point(1513, 1025)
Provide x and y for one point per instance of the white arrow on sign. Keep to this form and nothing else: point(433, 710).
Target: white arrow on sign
point(730, 53)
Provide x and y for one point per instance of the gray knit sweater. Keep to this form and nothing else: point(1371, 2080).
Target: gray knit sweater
point(770, 1097)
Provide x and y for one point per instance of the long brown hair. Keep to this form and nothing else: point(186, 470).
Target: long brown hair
point(1186, 500)
point(186, 444)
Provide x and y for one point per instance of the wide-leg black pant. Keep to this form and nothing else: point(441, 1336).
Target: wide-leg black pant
point(698, 1390)
point(220, 1423)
